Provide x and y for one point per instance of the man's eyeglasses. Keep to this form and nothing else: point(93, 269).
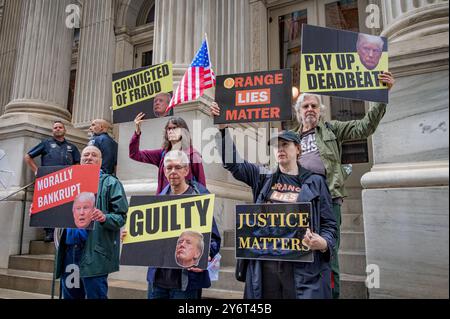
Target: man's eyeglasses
point(176, 167)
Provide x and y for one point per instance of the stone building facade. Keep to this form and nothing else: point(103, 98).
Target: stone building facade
point(399, 185)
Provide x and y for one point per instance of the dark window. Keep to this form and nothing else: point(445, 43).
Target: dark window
point(147, 58)
point(343, 15)
point(73, 76)
point(290, 28)
point(151, 15)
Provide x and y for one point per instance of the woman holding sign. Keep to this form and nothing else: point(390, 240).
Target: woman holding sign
point(176, 137)
point(288, 183)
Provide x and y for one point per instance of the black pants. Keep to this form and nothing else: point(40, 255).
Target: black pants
point(278, 280)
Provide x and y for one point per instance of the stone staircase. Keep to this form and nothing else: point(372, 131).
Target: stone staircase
point(30, 277)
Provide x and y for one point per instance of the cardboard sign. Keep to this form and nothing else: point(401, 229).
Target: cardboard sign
point(136, 91)
point(168, 231)
point(273, 231)
point(254, 97)
point(65, 196)
point(343, 63)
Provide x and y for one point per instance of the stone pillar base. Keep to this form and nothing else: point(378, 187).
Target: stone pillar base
point(19, 132)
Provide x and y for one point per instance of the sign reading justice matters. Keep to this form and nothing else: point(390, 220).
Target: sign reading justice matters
point(273, 231)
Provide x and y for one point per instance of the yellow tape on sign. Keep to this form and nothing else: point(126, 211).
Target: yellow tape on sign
point(142, 85)
point(169, 219)
point(328, 72)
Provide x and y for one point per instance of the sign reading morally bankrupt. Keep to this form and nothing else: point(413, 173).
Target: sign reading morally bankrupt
point(64, 196)
point(273, 231)
point(168, 231)
point(343, 63)
point(133, 91)
point(254, 97)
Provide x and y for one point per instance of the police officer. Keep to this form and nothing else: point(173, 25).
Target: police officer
point(101, 139)
point(54, 151)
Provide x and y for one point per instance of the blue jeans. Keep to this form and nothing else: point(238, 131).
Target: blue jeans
point(155, 292)
point(81, 288)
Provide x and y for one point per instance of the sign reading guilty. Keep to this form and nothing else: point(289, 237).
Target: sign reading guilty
point(343, 63)
point(133, 91)
point(162, 224)
point(273, 231)
point(254, 97)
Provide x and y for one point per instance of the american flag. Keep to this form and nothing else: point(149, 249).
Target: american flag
point(198, 77)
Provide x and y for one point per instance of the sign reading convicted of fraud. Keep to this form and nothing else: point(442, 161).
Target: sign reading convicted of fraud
point(168, 231)
point(273, 231)
point(254, 97)
point(136, 91)
point(343, 63)
point(64, 196)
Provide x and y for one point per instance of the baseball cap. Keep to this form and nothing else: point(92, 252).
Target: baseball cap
point(287, 136)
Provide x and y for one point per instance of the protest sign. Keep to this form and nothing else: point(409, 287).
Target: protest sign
point(273, 231)
point(136, 91)
point(343, 64)
point(168, 231)
point(254, 97)
point(65, 196)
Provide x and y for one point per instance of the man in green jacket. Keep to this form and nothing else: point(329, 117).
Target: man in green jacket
point(86, 257)
point(322, 148)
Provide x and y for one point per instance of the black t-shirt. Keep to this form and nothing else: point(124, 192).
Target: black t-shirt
point(285, 190)
point(169, 278)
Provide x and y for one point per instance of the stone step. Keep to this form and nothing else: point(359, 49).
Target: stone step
point(353, 287)
point(16, 294)
point(28, 281)
point(352, 241)
point(41, 263)
point(39, 247)
point(227, 281)
point(352, 222)
point(228, 257)
point(352, 262)
point(351, 206)
point(229, 238)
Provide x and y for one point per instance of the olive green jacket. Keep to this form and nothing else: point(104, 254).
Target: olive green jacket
point(329, 139)
point(102, 248)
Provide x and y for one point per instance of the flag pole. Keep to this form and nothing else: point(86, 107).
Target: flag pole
point(209, 55)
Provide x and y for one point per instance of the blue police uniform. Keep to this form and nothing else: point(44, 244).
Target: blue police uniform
point(109, 148)
point(55, 153)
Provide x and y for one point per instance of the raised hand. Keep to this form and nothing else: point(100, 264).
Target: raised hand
point(214, 110)
point(137, 121)
point(387, 78)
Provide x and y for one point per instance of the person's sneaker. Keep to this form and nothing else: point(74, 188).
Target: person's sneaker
point(48, 237)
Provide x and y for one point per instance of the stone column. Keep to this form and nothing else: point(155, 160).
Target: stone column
point(405, 201)
point(42, 69)
point(180, 26)
point(258, 13)
point(10, 21)
point(96, 63)
point(40, 54)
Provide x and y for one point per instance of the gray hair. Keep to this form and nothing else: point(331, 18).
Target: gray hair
point(176, 155)
point(369, 38)
point(85, 196)
point(166, 95)
point(93, 147)
point(300, 100)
